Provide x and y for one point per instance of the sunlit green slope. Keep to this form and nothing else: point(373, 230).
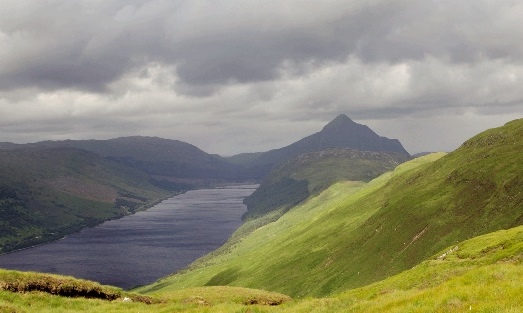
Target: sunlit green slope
point(282, 255)
point(346, 238)
point(482, 274)
point(37, 292)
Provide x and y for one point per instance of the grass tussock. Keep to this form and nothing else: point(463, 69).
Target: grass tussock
point(64, 286)
point(208, 299)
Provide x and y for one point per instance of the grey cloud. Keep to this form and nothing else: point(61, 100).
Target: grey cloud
point(72, 128)
point(87, 45)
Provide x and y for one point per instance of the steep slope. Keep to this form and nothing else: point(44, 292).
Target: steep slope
point(310, 173)
point(346, 238)
point(482, 274)
point(46, 193)
point(341, 132)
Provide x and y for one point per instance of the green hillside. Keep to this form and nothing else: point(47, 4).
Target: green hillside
point(482, 274)
point(284, 255)
point(46, 193)
point(349, 237)
point(310, 173)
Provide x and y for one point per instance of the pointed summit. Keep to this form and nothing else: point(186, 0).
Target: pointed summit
point(341, 132)
point(340, 121)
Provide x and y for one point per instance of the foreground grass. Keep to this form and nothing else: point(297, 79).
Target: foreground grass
point(65, 286)
point(209, 299)
point(483, 274)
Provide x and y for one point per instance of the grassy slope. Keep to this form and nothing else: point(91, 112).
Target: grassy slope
point(482, 274)
point(47, 193)
point(310, 173)
point(284, 255)
point(36, 292)
point(340, 240)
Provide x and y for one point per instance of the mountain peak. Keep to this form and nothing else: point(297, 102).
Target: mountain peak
point(341, 121)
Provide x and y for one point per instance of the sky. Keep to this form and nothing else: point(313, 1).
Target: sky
point(232, 76)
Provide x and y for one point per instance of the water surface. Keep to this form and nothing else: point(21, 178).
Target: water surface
point(140, 248)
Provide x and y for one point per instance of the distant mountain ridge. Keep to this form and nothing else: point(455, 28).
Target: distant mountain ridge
point(341, 132)
point(183, 164)
point(118, 176)
point(164, 159)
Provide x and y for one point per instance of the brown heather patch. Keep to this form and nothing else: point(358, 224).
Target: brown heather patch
point(83, 189)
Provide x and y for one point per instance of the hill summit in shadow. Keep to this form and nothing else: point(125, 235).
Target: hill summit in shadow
point(342, 132)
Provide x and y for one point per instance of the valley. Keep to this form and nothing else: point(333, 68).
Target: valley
point(50, 189)
point(352, 235)
point(341, 229)
point(170, 235)
point(224, 156)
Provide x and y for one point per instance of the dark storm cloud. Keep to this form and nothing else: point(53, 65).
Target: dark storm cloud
point(88, 44)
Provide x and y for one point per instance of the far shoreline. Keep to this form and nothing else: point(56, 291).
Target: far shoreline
point(142, 208)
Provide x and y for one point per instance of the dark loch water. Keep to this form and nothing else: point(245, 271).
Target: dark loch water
point(141, 248)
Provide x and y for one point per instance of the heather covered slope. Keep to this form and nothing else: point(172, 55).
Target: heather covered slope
point(46, 193)
point(346, 238)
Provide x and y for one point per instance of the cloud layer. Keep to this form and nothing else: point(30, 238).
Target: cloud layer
point(239, 76)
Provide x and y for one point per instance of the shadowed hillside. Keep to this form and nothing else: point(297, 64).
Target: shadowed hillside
point(171, 164)
point(310, 173)
point(341, 132)
point(46, 193)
